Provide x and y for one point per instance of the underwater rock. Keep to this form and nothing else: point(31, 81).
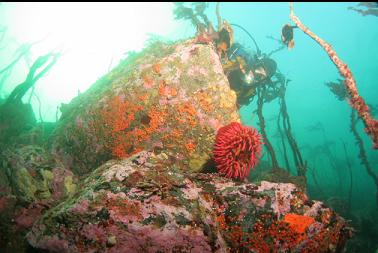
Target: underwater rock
point(31, 182)
point(129, 206)
point(169, 97)
point(33, 174)
point(277, 175)
point(15, 119)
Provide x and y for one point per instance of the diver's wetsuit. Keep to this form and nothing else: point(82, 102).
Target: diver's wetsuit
point(243, 82)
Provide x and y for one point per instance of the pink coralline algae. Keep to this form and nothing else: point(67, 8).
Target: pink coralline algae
point(93, 232)
point(237, 150)
point(170, 212)
point(214, 123)
point(281, 202)
point(54, 244)
point(3, 203)
point(81, 207)
point(26, 216)
point(195, 71)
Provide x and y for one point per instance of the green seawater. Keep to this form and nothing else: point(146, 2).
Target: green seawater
point(93, 38)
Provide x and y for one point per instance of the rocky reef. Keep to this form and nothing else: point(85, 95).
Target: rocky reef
point(129, 169)
point(135, 205)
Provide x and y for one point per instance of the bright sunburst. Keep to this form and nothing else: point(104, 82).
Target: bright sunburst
point(92, 36)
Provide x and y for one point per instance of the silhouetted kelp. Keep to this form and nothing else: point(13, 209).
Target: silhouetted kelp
point(366, 8)
point(337, 88)
point(15, 116)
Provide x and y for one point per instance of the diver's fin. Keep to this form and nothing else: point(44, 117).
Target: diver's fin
point(290, 45)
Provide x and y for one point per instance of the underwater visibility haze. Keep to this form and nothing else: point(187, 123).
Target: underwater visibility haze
point(189, 127)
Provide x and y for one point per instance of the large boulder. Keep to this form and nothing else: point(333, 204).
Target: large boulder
point(144, 204)
point(169, 97)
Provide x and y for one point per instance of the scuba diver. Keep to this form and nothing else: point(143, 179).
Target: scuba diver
point(246, 72)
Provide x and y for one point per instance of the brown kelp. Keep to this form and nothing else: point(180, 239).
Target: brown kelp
point(366, 8)
point(15, 116)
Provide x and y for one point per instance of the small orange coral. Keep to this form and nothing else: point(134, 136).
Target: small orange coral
point(143, 97)
point(156, 68)
point(190, 146)
point(157, 118)
point(147, 82)
point(117, 117)
point(165, 90)
point(186, 114)
point(204, 101)
point(299, 223)
point(222, 221)
point(119, 151)
point(173, 91)
point(176, 133)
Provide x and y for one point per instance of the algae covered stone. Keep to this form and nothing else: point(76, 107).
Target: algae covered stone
point(156, 209)
point(172, 101)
